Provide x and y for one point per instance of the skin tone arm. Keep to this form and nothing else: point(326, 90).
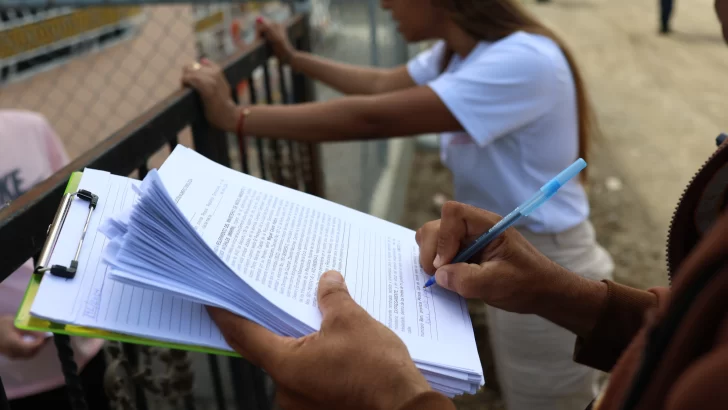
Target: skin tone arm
point(351, 79)
point(408, 112)
point(353, 118)
point(345, 78)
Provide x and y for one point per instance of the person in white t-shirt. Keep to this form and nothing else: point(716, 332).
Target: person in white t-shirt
point(512, 112)
point(30, 151)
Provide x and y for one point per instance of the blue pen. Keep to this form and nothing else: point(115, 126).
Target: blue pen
point(543, 195)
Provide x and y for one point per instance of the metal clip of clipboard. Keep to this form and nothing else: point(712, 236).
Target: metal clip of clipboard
point(54, 231)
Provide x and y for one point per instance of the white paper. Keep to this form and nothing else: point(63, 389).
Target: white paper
point(263, 248)
point(92, 299)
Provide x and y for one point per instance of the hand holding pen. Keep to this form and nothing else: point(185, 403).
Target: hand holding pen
point(497, 264)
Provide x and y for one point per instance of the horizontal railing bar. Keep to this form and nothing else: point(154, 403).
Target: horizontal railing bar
point(80, 3)
point(21, 231)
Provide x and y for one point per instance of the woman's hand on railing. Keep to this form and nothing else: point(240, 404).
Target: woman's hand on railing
point(275, 34)
point(16, 343)
point(208, 79)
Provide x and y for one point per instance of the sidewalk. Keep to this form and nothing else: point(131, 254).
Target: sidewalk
point(661, 101)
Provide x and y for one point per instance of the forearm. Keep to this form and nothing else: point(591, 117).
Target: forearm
point(571, 301)
point(339, 120)
point(604, 315)
point(345, 78)
point(397, 114)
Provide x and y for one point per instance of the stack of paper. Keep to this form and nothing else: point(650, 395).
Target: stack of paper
point(197, 233)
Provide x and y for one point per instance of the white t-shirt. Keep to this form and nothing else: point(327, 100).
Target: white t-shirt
point(515, 98)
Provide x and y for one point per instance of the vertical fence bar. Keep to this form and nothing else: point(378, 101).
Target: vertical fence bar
point(143, 170)
point(242, 141)
point(310, 154)
point(216, 381)
point(132, 356)
point(210, 142)
point(173, 141)
point(272, 143)
point(289, 160)
point(251, 394)
point(258, 142)
point(239, 386)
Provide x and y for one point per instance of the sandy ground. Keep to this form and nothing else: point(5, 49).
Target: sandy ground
point(660, 102)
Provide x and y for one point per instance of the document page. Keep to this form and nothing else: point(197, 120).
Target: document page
point(280, 241)
point(93, 300)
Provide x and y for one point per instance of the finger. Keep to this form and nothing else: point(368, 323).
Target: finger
point(460, 224)
point(255, 343)
point(261, 27)
point(465, 279)
point(451, 234)
point(188, 77)
point(195, 80)
point(333, 296)
point(428, 245)
point(26, 346)
point(32, 333)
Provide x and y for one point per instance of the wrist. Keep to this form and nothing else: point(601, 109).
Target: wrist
point(570, 301)
point(232, 117)
point(292, 59)
point(402, 392)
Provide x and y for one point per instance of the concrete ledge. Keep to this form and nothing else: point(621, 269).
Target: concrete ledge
point(390, 192)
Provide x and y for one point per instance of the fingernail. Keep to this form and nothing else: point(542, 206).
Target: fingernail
point(442, 277)
point(259, 19)
point(438, 262)
point(333, 276)
point(204, 60)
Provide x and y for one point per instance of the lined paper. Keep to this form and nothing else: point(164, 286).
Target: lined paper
point(94, 300)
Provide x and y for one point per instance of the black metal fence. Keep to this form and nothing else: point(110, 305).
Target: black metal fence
point(24, 222)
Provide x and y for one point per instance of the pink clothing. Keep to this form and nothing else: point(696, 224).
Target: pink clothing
point(30, 151)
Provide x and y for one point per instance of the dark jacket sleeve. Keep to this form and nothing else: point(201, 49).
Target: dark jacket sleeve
point(429, 401)
point(620, 319)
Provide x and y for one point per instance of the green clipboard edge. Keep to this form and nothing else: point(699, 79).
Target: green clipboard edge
point(24, 321)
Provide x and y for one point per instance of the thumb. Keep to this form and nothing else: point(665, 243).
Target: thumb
point(333, 296)
point(462, 278)
point(26, 346)
point(453, 229)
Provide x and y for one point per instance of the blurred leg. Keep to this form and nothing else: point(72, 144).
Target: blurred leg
point(533, 357)
point(665, 15)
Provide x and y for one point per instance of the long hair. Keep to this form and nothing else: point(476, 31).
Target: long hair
point(492, 20)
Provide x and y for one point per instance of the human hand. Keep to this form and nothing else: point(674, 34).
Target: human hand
point(16, 343)
point(353, 362)
point(208, 79)
point(275, 34)
point(509, 273)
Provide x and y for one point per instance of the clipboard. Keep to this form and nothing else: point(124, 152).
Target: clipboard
point(24, 320)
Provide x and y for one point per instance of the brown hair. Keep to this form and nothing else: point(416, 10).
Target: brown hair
point(492, 20)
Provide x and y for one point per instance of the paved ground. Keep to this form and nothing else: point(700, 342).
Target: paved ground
point(661, 100)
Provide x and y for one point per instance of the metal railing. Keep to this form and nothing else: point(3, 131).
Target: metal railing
point(24, 222)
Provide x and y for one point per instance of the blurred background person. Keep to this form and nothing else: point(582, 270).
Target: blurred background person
point(30, 151)
point(666, 7)
point(512, 111)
